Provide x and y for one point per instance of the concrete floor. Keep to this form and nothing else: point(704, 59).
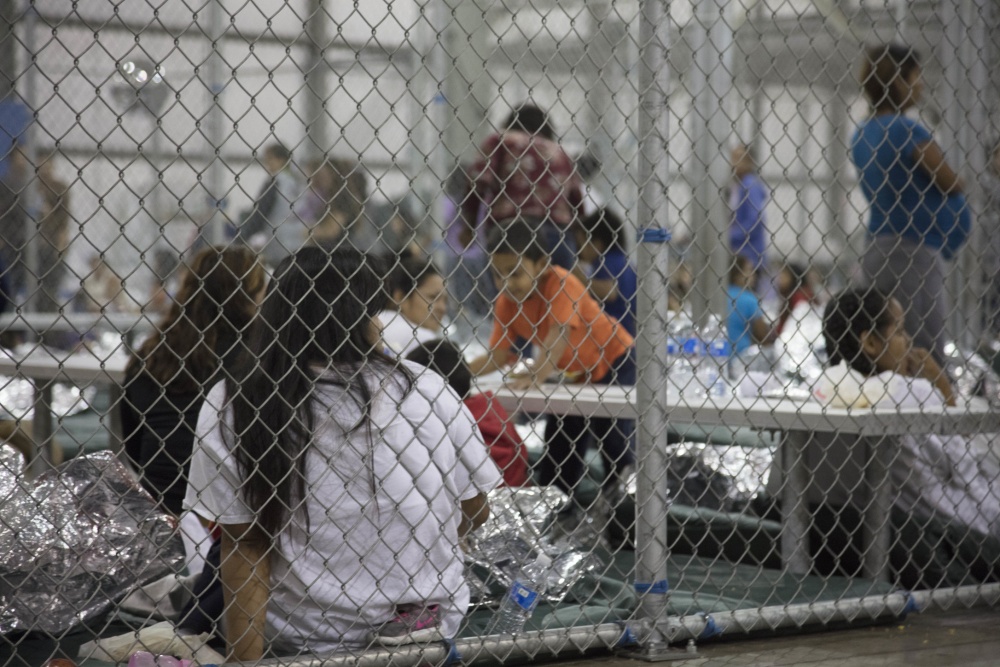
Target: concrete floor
point(969, 638)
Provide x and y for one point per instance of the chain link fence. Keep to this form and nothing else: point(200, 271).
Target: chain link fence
point(334, 329)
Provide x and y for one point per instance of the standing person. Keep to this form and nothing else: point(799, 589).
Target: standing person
point(336, 185)
point(54, 239)
point(600, 237)
point(918, 216)
point(273, 207)
point(747, 198)
point(524, 174)
point(466, 263)
point(546, 305)
point(343, 480)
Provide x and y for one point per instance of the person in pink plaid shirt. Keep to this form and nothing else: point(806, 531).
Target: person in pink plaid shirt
point(523, 173)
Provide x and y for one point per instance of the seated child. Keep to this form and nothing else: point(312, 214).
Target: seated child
point(418, 290)
point(547, 305)
point(745, 322)
point(946, 517)
point(794, 288)
point(600, 237)
point(344, 498)
point(504, 444)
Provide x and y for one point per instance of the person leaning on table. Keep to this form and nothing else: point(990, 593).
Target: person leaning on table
point(946, 512)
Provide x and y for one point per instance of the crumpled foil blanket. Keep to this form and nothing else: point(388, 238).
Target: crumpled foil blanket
point(75, 540)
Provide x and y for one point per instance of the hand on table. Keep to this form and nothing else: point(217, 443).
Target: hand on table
point(921, 364)
point(521, 383)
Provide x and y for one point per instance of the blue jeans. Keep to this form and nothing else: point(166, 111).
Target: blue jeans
point(568, 437)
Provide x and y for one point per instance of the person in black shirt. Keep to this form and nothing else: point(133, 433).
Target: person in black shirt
point(197, 344)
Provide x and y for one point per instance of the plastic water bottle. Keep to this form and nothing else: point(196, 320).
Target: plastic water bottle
point(521, 598)
point(687, 370)
point(715, 368)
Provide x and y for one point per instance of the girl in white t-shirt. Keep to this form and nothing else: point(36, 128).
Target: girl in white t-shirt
point(419, 306)
point(343, 481)
point(947, 480)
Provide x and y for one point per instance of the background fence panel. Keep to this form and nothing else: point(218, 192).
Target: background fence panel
point(804, 469)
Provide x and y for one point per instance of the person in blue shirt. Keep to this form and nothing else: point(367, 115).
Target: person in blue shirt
point(600, 238)
point(747, 198)
point(918, 216)
point(746, 324)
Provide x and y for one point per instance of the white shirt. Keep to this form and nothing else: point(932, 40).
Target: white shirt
point(384, 512)
point(934, 476)
point(400, 336)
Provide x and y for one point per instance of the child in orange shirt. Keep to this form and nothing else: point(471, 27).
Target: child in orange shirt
point(572, 334)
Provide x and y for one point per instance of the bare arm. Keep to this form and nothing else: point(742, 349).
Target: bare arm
point(547, 358)
point(921, 364)
point(762, 332)
point(246, 581)
point(475, 511)
point(493, 360)
point(604, 290)
point(930, 158)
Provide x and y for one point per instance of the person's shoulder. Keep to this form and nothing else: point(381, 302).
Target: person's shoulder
point(559, 281)
point(746, 301)
point(616, 258)
point(515, 140)
point(427, 383)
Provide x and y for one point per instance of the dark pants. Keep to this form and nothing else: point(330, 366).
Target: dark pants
point(569, 437)
point(204, 611)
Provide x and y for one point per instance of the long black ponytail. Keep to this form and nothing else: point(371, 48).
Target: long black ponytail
point(317, 318)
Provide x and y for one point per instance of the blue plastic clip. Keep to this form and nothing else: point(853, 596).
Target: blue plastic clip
point(653, 235)
point(453, 657)
point(911, 606)
point(658, 587)
point(628, 637)
point(711, 629)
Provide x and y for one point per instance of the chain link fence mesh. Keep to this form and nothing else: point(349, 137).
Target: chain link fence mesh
point(322, 322)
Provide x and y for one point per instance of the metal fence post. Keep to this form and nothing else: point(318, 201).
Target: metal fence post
point(651, 352)
point(651, 548)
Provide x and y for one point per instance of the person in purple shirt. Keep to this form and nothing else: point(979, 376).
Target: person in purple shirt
point(747, 199)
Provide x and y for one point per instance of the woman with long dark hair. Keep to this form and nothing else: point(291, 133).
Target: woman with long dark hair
point(342, 479)
point(197, 342)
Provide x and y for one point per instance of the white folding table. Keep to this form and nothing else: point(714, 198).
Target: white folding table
point(45, 367)
point(797, 422)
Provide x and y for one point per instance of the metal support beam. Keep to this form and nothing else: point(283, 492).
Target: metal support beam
point(711, 83)
point(651, 550)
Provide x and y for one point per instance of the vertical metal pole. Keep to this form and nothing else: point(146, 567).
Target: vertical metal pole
point(651, 549)
point(651, 498)
point(835, 197)
point(876, 531)
point(432, 106)
point(214, 231)
point(31, 195)
point(794, 503)
point(711, 85)
point(975, 130)
point(317, 83)
point(958, 145)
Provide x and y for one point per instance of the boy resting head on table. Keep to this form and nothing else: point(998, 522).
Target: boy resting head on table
point(571, 334)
